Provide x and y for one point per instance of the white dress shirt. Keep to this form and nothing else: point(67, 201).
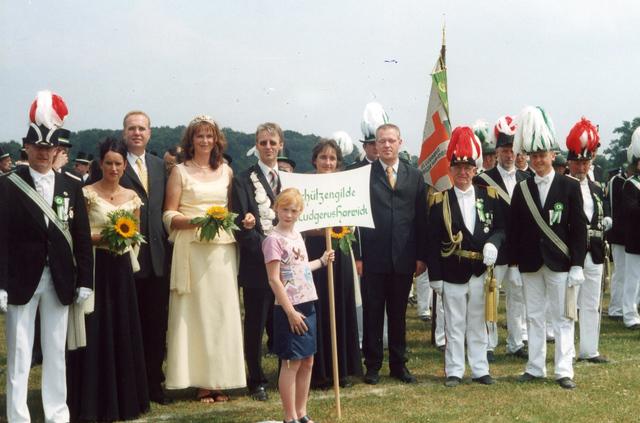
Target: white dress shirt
point(587, 199)
point(266, 171)
point(394, 166)
point(467, 203)
point(44, 185)
point(544, 183)
point(509, 178)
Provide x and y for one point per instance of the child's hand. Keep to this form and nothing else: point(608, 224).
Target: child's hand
point(328, 256)
point(296, 323)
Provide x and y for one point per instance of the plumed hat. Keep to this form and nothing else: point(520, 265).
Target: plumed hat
point(633, 153)
point(46, 117)
point(3, 154)
point(344, 141)
point(83, 158)
point(481, 130)
point(583, 140)
point(503, 131)
point(464, 147)
point(535, 131)
point(373, 116)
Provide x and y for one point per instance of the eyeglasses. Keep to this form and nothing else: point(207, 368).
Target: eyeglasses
point(265, 142)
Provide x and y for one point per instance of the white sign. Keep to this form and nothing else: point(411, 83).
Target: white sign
point(332, 199)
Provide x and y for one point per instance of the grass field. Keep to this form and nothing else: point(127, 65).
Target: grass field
point(605, 393)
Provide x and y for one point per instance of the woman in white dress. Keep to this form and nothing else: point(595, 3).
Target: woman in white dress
point(204, 338)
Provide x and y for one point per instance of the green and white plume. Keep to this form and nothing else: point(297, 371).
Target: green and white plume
point(535, 131)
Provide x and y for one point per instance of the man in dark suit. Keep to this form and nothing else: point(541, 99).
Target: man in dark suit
point(45, 263)
point(253, 193)
point(466, 230)
point(5, 162)
point(503, 178)
point(145, 174)
point(391, 253)
point(579, 162)
point(631, 214)
point(370, 154)
point(615, 237)
point(547, 245)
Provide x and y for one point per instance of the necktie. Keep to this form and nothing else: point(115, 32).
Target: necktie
point(142, 174)
point(273, 181)
point(391, 176)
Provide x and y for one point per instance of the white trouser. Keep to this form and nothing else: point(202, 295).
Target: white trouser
point(464, 318)
point(424, 294)
point(630, 294)
point(20, 325)
point(543, 288)
point(617, 280)
point(589, 305)
point(439, 337)
point(492, 327)
point(516, 317)
point(549, 322)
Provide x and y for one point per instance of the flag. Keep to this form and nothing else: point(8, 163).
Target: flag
point(433, 162)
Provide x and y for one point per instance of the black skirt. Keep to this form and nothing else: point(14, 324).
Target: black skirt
point(107, 380)
point(288, 345)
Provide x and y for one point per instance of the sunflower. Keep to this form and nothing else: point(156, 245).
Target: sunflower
point(126, 227)
point(339, 232)
point(217, 212)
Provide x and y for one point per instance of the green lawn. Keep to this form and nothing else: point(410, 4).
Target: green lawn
point(605, 393)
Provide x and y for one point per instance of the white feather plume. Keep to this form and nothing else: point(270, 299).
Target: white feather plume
point(373, 116)
point(253, 151)
point(633, 153)
point(45, 113)
point(344, 142)
point(535, 131)
point(481, 129)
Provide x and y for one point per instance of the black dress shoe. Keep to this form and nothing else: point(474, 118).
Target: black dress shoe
point(259, 393)
point(634, 327)
point(452, 382)
point(345, 382)
point(599, 359)
point(160, 398)
point(521, 353)
point(490, 357)
point(566, 383)
point(441, 348)
point(616, 318)
point(528, 377)
point(371, 377)
point(403, 375)
point(484, 380)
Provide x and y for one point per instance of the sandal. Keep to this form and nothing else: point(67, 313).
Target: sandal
point(305, 419)
point(209, 397)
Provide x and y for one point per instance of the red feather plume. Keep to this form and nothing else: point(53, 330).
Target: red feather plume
point(583, 137)
point(463, 143)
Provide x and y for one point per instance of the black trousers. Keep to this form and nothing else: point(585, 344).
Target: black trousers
point(380, 290)
point(153, 307)
point(258, 303)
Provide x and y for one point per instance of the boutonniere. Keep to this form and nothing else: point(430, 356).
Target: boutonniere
point(480, 207)
point(555, 215)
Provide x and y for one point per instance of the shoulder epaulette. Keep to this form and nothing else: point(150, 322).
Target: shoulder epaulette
point(492, 192)
point(435, 198)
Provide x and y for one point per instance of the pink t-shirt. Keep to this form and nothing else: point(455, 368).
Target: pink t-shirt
point(295, 272)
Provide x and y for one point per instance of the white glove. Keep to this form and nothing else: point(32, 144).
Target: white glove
point(514, 276)
point(489, 254)
point(436, 286)
point(4, 297)
point(607, 223)
point(576, 276)
point(82, 294)
point(422, 278)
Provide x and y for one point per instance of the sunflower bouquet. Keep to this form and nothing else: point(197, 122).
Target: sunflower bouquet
point(216, 218)
point(342, 237)
point(122, 231)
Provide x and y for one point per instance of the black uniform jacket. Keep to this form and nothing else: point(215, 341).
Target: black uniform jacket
point(631, 200)
point(456, 269)
point(528, 247)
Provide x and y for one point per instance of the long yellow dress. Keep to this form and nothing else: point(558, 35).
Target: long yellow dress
point(204, 338)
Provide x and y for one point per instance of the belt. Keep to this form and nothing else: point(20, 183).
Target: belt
point(594, 233)
point(471, 255)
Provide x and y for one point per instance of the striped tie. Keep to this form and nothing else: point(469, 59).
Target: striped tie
point(273, 181)
point(142, 174)
point(391, 176)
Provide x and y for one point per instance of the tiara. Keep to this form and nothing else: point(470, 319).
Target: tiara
point(203, 118)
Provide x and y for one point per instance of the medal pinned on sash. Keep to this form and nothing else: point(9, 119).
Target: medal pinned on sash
point(555, 215)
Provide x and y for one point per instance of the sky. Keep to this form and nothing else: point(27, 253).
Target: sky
point(312, 66)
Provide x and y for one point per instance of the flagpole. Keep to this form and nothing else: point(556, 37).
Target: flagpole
point(332, 324)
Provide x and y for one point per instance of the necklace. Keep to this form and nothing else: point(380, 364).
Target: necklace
point(200, 167)
point(111, 194)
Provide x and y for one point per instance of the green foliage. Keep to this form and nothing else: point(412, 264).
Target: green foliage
point(617, 151)
point(342, 237)
point(210, 224)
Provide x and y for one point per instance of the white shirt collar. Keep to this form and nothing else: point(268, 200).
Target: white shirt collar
point(504, 172)
point(132, 158)
point(266, 169)
point(37, 176)
point(461, 193)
